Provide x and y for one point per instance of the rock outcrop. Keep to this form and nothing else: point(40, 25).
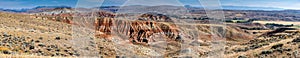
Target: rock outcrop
point(137, 31)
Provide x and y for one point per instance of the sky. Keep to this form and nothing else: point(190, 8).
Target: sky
point(19, 4)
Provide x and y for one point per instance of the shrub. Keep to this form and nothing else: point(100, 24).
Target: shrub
point(277, 46)
point(266, 52)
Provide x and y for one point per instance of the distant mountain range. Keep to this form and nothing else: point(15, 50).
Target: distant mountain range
point(115, 8)
point(250, 8)
point(35, 9)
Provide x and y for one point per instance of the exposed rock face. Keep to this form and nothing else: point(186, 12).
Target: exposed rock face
point(149, 25)
point(137, 31)
point(141, 30)
point(104, 25)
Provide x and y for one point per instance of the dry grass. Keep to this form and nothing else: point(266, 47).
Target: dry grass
point(22, 56)
point(34, 56)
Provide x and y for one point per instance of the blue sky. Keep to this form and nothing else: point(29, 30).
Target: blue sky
point(18, 4)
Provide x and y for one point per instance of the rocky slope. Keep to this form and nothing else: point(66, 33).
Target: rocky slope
point(148, 35)
point(23, 34)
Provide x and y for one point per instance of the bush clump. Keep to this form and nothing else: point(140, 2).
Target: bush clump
point(266, 52)
point(277, 46)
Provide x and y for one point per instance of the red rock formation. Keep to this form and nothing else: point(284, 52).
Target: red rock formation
point(137, 31)
point(104, 25)
point(140, 31)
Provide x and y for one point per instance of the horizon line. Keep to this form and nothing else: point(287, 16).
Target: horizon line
point(149, 5)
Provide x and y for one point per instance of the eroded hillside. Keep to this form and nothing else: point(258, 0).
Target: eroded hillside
point(148, 35)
